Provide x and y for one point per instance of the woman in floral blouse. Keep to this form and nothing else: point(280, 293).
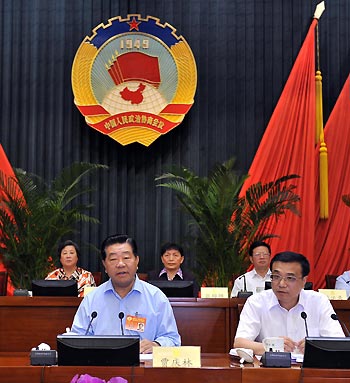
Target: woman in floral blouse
point(69, 253)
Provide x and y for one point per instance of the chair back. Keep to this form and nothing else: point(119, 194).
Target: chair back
point(3, 282)
point(143, 276)
point(330, 281)
point(97, 277)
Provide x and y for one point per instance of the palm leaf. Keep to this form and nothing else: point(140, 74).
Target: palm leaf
point(32, 225)
point(224, 223)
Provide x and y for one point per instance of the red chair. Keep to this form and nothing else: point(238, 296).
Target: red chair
point(143, 276)
point(97, 277)
point(330, 280)
point(3, 282)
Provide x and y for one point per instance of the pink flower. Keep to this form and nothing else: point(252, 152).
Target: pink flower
point(86, 378)
point(117, 379)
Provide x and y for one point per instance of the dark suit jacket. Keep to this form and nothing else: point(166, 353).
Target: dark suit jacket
point(187, 276)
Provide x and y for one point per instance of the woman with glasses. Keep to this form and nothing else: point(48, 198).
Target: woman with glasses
point(287, 310)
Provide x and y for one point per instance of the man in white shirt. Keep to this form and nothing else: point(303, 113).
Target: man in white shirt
point(259, 255)
point(277, 312)
point(343, 282)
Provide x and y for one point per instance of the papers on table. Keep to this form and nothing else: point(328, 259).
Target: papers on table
point(298, 358)
point(144, 357)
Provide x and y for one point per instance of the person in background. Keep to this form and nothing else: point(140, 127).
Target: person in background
point(69, 253)
point(277, 312)
point(260, 256)
point(343, 282)
point(124, 304)
point(172, 256)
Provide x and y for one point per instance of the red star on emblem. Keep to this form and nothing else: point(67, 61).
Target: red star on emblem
point(134, 24)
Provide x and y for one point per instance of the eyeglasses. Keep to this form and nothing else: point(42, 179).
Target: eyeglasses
point(288, 279)
point(175, 255)
point(261, 255)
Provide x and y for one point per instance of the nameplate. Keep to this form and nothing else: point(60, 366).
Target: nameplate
point(183, 357)
point(88, 290)
point(334, 295)
point(214, 292)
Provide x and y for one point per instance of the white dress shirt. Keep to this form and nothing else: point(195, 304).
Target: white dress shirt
point(254, 282)
point(343, 282)
point(262, 316)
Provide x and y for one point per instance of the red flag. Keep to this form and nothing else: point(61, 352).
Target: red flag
point(135, 66)
point(332, 237)
point(287, 147)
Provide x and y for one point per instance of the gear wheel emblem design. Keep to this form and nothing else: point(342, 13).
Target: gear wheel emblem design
point(134, 79)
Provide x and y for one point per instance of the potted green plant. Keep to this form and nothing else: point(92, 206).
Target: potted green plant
point(35, 215)
point(224, 223)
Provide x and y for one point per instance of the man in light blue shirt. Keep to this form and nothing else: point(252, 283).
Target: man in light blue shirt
point(125, 304)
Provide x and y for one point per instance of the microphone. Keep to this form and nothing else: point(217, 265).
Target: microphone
point(121, 316)
point(244, 281)
point(304, 316)
point(335, 317)
point(244, 293)
point(93, 316)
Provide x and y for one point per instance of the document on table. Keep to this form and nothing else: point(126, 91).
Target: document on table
point(298, 358)
point(144, 357)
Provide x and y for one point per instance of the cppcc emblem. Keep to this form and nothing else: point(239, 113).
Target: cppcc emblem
point(134, 79)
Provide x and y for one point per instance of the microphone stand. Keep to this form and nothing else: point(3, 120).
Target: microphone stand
point(304, 316)
point(343, 325)
point(121, 316)
point(93, 316)
point(244, 293)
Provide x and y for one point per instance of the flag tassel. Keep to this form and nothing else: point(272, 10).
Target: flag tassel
point(323, 181)
point(323, 164)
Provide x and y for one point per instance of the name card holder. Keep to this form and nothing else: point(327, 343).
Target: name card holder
point(180, 357)
point(334, 295)
point(214, 292)
point(88, 290)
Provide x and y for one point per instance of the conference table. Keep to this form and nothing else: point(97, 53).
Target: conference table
point(216, 368)
point(209, 323)
point(29, 321)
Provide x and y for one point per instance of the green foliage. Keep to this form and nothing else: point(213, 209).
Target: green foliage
point(34, 216)
point(225, 223)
